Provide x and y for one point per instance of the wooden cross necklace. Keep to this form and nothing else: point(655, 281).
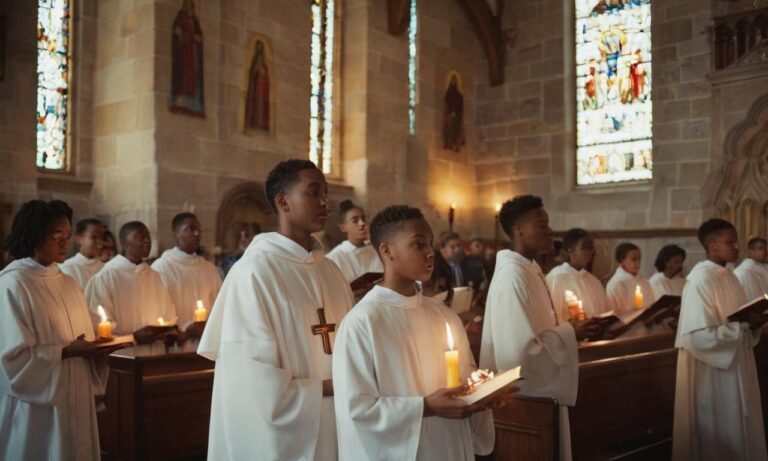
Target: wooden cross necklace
point(324, 329)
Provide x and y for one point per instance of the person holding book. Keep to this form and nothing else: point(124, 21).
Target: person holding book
point(717, 396)
point(752, 272)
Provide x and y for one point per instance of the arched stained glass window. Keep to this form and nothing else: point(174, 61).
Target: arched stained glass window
point(321, 79)
point(412, 61)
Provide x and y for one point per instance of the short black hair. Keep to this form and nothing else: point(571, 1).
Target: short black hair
point(514, 209)
point(572, 237)
point(446, 237)
point(129, 227)
point(389, 220)
point(346, 206)
point(712, 228)
point(623, 249)
point(33, 224)
point(177, 220)
point(666, 253)
point(83, 224)
point(283, 175)
point(108, 235)
point(754, 241)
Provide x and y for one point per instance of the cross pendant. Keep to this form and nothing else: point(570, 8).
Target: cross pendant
point(324, 329)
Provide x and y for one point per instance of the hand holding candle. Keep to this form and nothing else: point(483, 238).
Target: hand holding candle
point(638, 297)
point(201, 315)
point(105, 328)
point(451, 361)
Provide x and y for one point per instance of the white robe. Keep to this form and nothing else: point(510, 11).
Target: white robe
point(753, 277)
point(663, 285)
point(132, 295)
point(188, 278)
point(389, 355)
point(717, 397)
point(583, 284)
point(47, 408)
point(521, 329)
point(355, 261)
point(267, 391)
point(81, 268)
point(621, 294)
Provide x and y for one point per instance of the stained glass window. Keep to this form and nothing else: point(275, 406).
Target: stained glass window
point(613, 91)
point(321, 79)
point(412, 34)
point(52, 83)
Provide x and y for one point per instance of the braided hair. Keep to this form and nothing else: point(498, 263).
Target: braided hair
point(33, 224)
point(389, 220)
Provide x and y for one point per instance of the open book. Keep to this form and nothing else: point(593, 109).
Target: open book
point(366, 280)
point(757, 306)
point(114, 342)
point(486, 391)
point(629, 318)
point(461, 301)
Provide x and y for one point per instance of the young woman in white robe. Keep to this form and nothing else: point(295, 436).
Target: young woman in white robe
point(669, 280)
point(753, 272)
point(718, 412)
point(388, 367)
point(48, 377)
point(574, 275)
point(89, 234)
point(355, 256)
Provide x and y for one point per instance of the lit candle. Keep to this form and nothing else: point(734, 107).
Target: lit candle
point(451, 361)
point(105, 328)
point(498, 207)
point(581, 315)
point(201, 315)
point(160, 322)
point(572, 302)
point(638, 297)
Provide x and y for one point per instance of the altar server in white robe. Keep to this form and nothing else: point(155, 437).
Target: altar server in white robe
point(48, 373)
point(521, 327)
point(669, 280)
point(187, 276)
point(355, 256)
point(272, 391)
point(622, 286)
point(752, 272)
point(89, 236)
point(574, 275)
point(388, 364)
point(717, 397)
point(131, 293)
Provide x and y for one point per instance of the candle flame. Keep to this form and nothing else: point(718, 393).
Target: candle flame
point(160, 321)
point(200, 304)
point(102, 313)
point(498, 207)
point(450, 336)
point(581, 306)
point(638, 290)
point(453, 205)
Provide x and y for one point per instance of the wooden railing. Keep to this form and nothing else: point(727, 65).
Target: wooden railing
point(735, 35)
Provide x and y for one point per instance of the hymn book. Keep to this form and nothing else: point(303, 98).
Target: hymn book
point(459, 302)
point(115, 342)
point(757, 307)
point(486, 391)
point(366, 280)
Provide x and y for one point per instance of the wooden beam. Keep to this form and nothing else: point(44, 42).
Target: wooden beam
point(488, 30)
point(398, 17)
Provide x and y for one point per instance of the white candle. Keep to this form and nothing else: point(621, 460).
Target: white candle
point(451, 361)
point(201, 315)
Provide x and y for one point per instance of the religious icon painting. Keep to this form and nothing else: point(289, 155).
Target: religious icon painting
point(187, 63)
point(453, 116)
point(258, 110)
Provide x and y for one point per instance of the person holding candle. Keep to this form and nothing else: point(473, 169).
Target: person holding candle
point(186, 275)
point(271, 332)
point(627, 289)
point(575, 276)
point(129, 291)
point(669, 279)
point(522, 327)
point(718, 412)
point(89, 235)
point(752, 272)
point(49, 367)
point(400, 357)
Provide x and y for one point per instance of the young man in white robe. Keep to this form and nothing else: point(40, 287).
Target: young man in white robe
point(89, 234)
point(388, 368)
point(131, 293)
point(669, 280)
point(623, 285)
point(273, 392)
point(521, 326)
point(752, 272)
point(574, 275)
point(187, 276)
point(48, 372)
point(717, 396)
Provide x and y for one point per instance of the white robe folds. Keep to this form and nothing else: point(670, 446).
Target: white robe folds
point(355, 261)
point(47, 408)
point(717, 396)
point(621, 293)
point(584, 286)
point(521, 329)
point(389, 355)
point(188, 278)
point(132, 295)
point(267, 394)
point(753, 277)
point(81, 268)
point(663, 285)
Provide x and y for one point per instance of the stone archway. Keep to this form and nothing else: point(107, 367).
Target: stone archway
point(245, 203)
point(741, 183)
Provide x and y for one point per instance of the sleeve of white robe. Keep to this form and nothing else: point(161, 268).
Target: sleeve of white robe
point(717, 346)
point(387, 426)
point(31, 369)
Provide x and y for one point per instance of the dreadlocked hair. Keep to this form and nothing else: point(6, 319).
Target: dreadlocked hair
point(33, 224)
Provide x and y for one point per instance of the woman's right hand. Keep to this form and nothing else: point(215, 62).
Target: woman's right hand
point(80, 348)
point(443, 404)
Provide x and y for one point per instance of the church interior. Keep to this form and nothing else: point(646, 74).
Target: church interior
point(636, 120)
